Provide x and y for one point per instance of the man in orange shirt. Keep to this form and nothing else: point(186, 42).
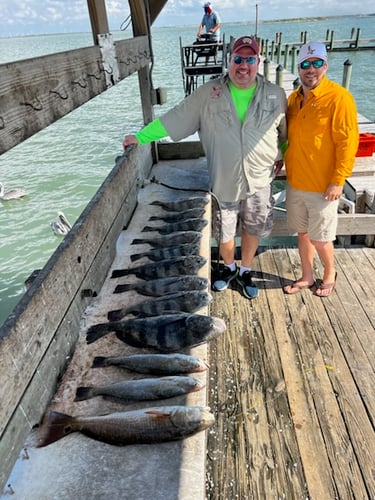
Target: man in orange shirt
point(322, 144)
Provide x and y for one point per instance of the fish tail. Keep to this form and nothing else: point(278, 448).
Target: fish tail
point(123, 288)
point(99, 361)
point(136, 256)
point(83, 393)
point(116, 314)
point(138, 241)
point(57, 426)
point(117, 273)
point(96, 332)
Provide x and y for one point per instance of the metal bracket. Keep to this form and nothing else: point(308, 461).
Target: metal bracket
point(109, 59)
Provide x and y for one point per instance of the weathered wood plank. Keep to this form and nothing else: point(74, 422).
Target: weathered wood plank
point(36, 92)
point(320, 351)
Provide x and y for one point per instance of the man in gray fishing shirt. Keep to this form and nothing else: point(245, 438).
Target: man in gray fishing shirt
point(241, 121)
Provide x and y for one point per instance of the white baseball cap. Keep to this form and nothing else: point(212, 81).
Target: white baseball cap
point(312, 49)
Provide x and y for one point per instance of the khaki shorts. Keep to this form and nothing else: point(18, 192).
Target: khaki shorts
point(252, 215)
point(310, 213)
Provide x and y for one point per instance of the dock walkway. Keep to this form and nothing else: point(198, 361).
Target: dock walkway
point(292, 385)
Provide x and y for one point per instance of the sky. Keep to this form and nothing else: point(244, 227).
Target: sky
point(24, 17)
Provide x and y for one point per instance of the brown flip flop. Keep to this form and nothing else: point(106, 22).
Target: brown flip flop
point(295, 287)
point(326, 286)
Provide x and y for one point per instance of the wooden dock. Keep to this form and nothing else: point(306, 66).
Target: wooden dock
point(292, 385)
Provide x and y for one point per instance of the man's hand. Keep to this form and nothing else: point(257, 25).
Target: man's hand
point(333, 192)
point(277, 166)
point(129, 140)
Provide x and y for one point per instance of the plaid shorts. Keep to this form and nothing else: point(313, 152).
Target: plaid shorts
point(252, 215)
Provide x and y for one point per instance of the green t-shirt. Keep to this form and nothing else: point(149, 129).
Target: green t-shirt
point(241, 100)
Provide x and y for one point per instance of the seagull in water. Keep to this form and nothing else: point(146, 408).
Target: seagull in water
point(61, 226)
point(11, 194)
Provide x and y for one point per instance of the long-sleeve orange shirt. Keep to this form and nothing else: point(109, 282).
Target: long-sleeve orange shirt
point(322, 137)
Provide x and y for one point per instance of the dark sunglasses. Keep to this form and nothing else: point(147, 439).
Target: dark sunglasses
point(307, 64)
point(248, 60)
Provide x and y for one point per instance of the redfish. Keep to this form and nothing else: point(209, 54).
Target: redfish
point(148, 425)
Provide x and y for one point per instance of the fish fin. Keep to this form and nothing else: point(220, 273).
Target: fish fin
point(116, 314)
point(155, 217)
point(158, 413)
point(83, 393)
point(99, 361)
point(98, 331)
point(148, 229)
point(57, 426)
point(123, 288)
point(138, 241)
point(117, 273)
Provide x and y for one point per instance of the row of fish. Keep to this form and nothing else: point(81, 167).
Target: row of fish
point(166, 323)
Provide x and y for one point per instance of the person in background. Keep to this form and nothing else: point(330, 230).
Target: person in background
point(322, 144)
point(211, 23)
point(241, 121)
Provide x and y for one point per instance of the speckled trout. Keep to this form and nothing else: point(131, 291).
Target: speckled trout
point(143, 389)
point(154, 364)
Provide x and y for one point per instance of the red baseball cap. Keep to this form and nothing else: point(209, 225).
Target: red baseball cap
point(246, 41)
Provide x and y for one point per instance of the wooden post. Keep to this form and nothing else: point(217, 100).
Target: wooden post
point(272, 50)
point(278, 53)
point(294, 60)
point(347, 74)
point(266, 69)
point(141, 27)
point(279, 75)
point(98, 18)
point(286, 55)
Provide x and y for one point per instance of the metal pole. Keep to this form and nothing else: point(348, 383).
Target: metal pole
point(256, 20)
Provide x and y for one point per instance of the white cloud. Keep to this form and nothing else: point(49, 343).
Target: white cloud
point(36, 16)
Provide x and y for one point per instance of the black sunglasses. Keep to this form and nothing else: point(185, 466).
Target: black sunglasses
point(307, 64)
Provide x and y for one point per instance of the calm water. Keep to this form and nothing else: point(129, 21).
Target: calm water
point(62, 167)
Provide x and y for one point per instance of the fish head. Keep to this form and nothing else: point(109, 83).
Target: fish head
point(193, 417)
point(212, 326)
